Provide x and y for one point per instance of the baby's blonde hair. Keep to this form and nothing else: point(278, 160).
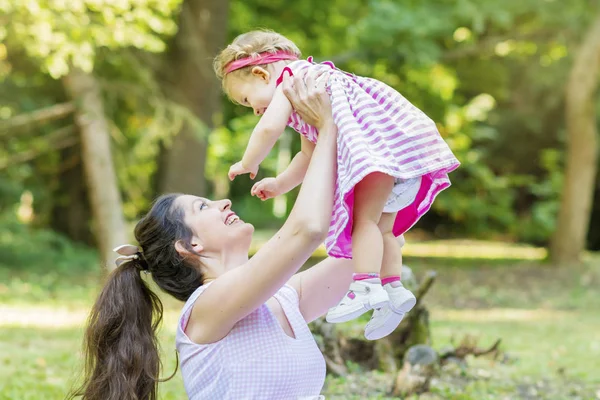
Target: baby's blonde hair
point(251, 44)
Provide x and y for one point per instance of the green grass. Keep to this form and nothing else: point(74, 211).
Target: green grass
point(567, 344)
point(548, 320)
point(42, 363)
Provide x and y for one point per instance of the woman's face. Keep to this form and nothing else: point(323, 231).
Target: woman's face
point(214, 225)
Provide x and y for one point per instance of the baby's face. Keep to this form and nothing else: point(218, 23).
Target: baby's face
point(254, 91)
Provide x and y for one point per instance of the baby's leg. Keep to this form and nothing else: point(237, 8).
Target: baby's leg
point(391, 266)
point(366, 292)
point(385, 320)
point(370, 196)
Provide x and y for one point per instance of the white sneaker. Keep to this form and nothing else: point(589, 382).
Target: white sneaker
point(361, 297)
point(387, 318)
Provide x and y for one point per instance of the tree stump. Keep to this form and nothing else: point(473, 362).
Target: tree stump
point(420, 364)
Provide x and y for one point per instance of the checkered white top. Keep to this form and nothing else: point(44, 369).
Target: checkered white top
point(256, 360)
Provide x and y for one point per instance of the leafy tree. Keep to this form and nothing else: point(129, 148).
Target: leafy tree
point(64, 38)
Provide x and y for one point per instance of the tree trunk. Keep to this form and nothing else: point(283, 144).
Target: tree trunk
point(568, 240)
point(105, 199)
point(71, 212)
point(190, 81)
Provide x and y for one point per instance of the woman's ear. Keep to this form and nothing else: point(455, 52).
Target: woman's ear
point(261, 73)
point(183, 251)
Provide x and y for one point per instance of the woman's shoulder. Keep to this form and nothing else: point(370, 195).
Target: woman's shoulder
point(289, 293)
point(189, 304)
point(286, 295)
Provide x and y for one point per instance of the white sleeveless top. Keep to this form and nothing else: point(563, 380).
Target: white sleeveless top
point(256, 360)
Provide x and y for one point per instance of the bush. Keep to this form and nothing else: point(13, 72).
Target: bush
point(24, 248)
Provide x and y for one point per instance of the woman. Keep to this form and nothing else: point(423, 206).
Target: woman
point(243, 331)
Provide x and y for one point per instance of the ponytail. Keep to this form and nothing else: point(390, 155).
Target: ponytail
point(120, 345)
point(121, 349)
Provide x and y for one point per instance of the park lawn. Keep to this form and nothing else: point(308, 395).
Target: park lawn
point(40, 363)
point(548, 320)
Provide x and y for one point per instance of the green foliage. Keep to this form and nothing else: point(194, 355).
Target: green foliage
point(46, 37)
point(490, 74)
point(25, 248)
point(540, 224)
point(61, 33)
point(144, 119)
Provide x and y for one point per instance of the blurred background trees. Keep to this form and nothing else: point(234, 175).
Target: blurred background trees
point(105, 104)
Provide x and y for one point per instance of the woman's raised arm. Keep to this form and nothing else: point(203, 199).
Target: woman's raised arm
point(240, 291)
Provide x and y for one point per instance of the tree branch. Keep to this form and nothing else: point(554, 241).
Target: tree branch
point(36, 117)
point(56, 140)
point(424, 287)
point(468, 346)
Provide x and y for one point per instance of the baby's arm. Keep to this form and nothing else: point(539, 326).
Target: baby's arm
point(267, 131)
point(288, 179)
point(294, 173)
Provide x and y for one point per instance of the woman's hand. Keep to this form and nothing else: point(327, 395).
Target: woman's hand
point(308, 95)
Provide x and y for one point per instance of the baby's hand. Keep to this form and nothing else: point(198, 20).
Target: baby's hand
point(266, 189)
point(239, 169)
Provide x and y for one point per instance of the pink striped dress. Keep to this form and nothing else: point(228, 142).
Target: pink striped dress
point(378, 131)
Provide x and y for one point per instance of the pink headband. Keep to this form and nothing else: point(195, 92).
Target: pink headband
point(263, 58)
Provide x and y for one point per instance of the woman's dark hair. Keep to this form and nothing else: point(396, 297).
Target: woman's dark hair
point(122, 360)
